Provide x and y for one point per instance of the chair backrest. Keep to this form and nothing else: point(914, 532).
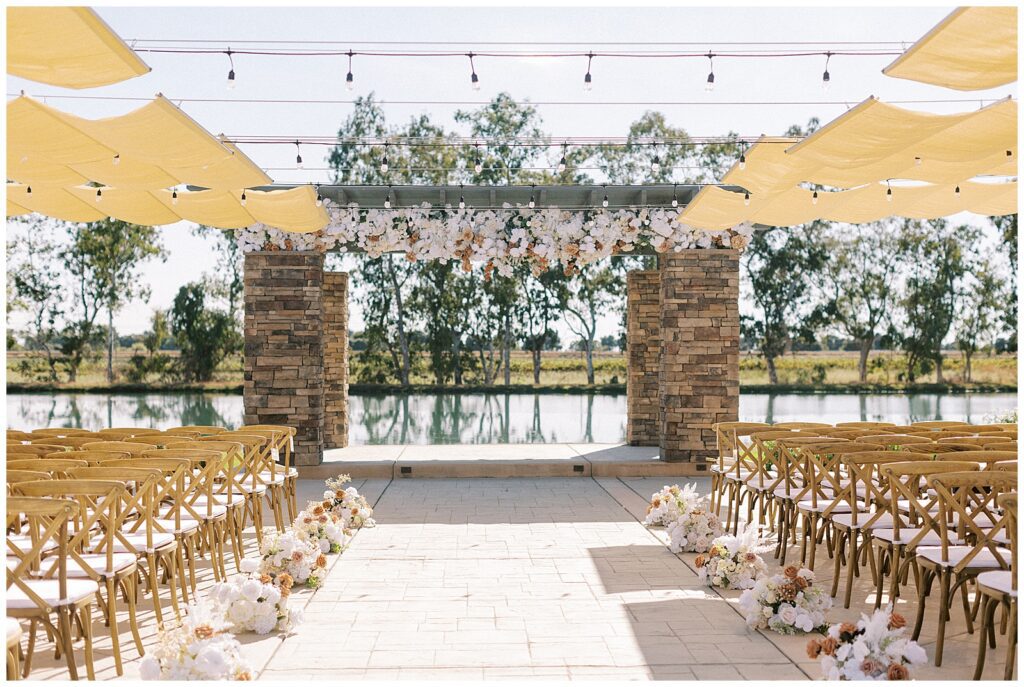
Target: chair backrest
point(802, 425)
point(69, 442)
point(868, 481)
point(1005, 466)
point(131, 447)
point(46, 521)
point(857, 433)
point(34, 449)
point(89, 456)
point(963, 439)
point(825, 468)
point(935, 448)
point(18, 474)
point(62, 432)
point(170, 487)
point(968, 512)
point(985, 458)
point(200, 478)
point(138, 506)
point(908, 483)
point(204, 430)
point(126, 433)
point(938, 424)
point(865, 424)
point(894, 440)
point(1008, 502)
point(17, 435)
point(55, 468)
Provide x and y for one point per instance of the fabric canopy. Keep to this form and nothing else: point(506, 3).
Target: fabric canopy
point(290, 210)
point(156, 146)
point(715, 208)
point(974, 48)
point(67, 46)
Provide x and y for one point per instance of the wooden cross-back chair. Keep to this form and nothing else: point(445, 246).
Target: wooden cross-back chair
point(56, 468)
point(39, 593)
point(27, 450)
point(98, 519)
point(18, 436)
point(282, 445)
point(732, 452)
point(998, 588)
point(131, 447)
point(63, 432)
point(89, 456)
point(70, 443)
point(967, 513)
point(261, 474)
point(913, 508)
point(984, 458)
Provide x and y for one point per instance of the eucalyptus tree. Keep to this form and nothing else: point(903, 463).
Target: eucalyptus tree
point(538, 308)
point(514, 140)
point(1006, 225)
point(859, 281)
point(35, 285)
point(594, 290)
point(983, 299)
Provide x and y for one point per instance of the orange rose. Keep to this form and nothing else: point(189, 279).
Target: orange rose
point(321, 561)
point(813, 648)
point(244, 676)
point(339, 494)
point(791, 571)
point(285, 580)
point(204, 631)
point(800, 583)
point(829, 646)
point(896, 621)
point(699, 561)
point(897, 672)
point(318, 510)
point(869, 666)
point(265, 578)
point(296, 556)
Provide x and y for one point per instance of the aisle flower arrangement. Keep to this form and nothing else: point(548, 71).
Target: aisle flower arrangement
point(788, 603)
point(348, 504)
point(668, 504)
point(287, 554)
point(255, 604)
point(733, 562)
point(500, 238)
point(199, 647)
point(694, 530)
point(320, 527)
point(876, 648)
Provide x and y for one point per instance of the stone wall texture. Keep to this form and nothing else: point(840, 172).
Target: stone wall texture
point(284, 346)
point(643, 351)
point(700, 333)
point(335, 359)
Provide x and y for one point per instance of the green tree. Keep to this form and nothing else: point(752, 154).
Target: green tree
point(937, 257)
point(1007, 227)
point(500, 123)
point(978, 313)
point(634, 162)
point(204, 335)
point(538, 307)
point(859, 281)
point(782, 264)
point(227, 283)
point(35, 286)
point(594, 290)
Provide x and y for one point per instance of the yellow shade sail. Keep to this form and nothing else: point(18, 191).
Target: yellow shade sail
point(974, 48)
point(290, 210)
point(67, 46)
point(153, 147)
point(717, 209)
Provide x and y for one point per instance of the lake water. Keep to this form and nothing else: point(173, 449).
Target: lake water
point(485, 418)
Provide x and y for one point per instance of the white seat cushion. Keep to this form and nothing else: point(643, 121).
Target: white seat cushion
point(187, 524)
point(907, 534)
point(13, 630)
point(216, 510)
point(248, 488)
point(984, 559)
point(24, 543)
point(49, 591)
point(823, 503)
point(884, 521)
point(98, 562)
point(137, 540)
point(276, 478)
point(999, 580)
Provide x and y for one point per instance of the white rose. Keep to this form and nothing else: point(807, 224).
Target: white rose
point(787, 614)
point(249, 565)
point(265, 623)
point(149, 668)
point(211, 662)
point(251, 589)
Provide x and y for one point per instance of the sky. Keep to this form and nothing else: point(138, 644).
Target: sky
point(535, 79)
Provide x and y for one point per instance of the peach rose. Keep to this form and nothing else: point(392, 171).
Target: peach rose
point(829, 646)
point(813, 649)
point(897, 672)
point(791, 571)
point(800, 583)
point(204, 631)
point(896, 621)
point(321, 561)
point(296, 556)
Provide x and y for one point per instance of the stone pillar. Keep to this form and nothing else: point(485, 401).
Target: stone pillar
point(643, 351)
point(284, 358)
point(335, 359)
point(700, 335)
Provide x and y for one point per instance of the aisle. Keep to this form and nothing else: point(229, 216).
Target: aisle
point(553, 578)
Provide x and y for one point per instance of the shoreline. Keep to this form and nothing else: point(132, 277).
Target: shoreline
point(597, 389)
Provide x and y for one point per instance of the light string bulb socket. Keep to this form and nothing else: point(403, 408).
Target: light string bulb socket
point(479, 166)
point(746, 198)
point(675, 198)
point(462, 198)
point(242, 199)
point(888, 191)
point(743, 161)
point(588, 81)
point(384, 162)
point(474, 80)
point(349, 79)
point(826, 78)
point(319, 198)
point(231, 70)
point(604, 203)
point(533, 203)
point(99, 195)
point(298, 155)
point(563, 163)
point(710, 84)
point(174, 196)
point(387, 199)
point(117, 159)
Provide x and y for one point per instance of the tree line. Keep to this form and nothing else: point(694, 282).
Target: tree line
point(899, 284)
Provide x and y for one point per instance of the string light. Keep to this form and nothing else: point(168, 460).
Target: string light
point(917, 161)
point(117, 159)
point(587, 80)
point(746, 198)
point(28, 190)
point(826, 78)
point(474, 80)
point(532, 204)
point(604, 203)
point(479, 166)
point(99, 195)
point(462, 199)
point(656, 164)
point(563, 163)
point(349, 82)
point(298, 155)
point(174, 197)
point(319, 198)
point(675, 200)
point(387, 199)
point(814, 198)
point(743, 161)
point(957, 191)
point(888, 192)
point(243, 199)
point(384, 162)
point(231, 72)
point(710, 85)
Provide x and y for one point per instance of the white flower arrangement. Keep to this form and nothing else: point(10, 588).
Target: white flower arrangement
point(348, 504)
point(788, 603)
point(876, 648)
point(287, 554)
point(669, 504)
point(498, 238)
point(694, 531)
point(320, 527)
point(733, 562)
point(199, 647)
point(255, 605)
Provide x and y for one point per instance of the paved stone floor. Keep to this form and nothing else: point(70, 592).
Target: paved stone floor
point(525, 578)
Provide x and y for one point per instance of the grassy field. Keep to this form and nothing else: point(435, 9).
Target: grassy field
point(803, 371)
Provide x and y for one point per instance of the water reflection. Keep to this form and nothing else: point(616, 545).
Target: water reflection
point(485, 418)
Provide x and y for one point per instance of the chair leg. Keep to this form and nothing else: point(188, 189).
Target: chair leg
point(131, 587)
point(982, 637)
point(64, 637)
point(151, 573)
point(940, 639)
point(115, 639)
point(1011, 642)
point(840, 555)
point(27, 667)
point(86, 613)
point(923, 590)
point(851, 566)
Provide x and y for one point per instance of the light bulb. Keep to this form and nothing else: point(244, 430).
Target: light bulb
point(957, 191)
point(28, 190)
point(231, 79)
point(387, 201)
point(746, 198)
point(174, 197)
point(743, 161)
point(675, 202)
point(298, 161)
point(117, 159)
point(462, 202)
point(475, 81)
point(587, 82)
point(710, 85)
point(1009, 153)
point(888, 194)
point(655, 165)
point(478, 167)
point(349, 82)
point(532, 204)
point(384, 165)
point(604, 203)
point(814, 198)
point(825, 80)
point(561, 165)
point(242, 201)
point(917, 161)
point(99, 195)
point(319, 200)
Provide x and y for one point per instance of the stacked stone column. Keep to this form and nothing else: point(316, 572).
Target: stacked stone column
point(335, 295)
point(700, 332)
point(284, 346)
point(643, 350)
